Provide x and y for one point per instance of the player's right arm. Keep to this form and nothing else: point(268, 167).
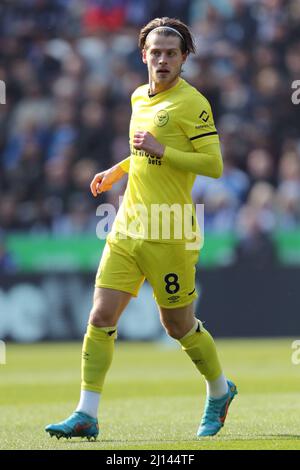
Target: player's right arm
point(105, 180)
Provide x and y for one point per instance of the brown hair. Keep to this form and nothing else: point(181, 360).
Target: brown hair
point(186, 42)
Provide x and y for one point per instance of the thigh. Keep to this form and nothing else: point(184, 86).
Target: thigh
point(118, 268)
point(170, 269)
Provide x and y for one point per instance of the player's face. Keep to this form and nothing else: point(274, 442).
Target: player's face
point(164, 59)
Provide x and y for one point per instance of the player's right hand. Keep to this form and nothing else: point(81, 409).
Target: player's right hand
point(101, 182)
point(105, 180)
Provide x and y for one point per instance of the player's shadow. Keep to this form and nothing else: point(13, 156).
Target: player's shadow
point(267, 437)
point(113, 441)
point(286, 436)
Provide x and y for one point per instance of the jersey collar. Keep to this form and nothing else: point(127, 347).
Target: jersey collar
point(162, 94)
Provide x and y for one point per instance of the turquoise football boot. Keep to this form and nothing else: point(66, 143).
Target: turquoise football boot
point(77, 425)
point(215, 412)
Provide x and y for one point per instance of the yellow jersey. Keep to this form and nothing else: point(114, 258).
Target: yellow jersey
point(157, 202)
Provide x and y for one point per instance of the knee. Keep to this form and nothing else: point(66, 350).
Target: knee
point(173, 329)
point(101, 316)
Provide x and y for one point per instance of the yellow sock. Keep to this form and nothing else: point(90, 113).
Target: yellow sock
point(200, 346)
point(97, 354)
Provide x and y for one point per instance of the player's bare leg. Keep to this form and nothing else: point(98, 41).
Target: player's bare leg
point(108, 306)
point(177, 321)
point(97, 354)
point(181, 324)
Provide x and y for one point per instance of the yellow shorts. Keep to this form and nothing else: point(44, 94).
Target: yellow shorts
point(169, 268)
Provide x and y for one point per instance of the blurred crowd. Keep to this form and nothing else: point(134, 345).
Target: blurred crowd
point(70, 67)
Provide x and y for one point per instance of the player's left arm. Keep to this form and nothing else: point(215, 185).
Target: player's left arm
point(198, 125)
point(197, 122)
point(207, 161)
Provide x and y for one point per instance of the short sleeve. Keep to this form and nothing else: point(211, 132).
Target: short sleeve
point(125, 164)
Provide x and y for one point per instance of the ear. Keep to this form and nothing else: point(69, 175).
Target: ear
point(144, 58)
point(184, 57)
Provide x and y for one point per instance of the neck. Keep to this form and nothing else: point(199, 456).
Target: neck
point(155, 88)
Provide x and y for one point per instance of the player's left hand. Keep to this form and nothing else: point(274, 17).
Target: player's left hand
point(143, 140)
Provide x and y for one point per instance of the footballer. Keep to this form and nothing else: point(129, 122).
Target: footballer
point(172, 139)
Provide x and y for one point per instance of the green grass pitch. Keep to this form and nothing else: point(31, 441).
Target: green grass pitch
point(153, 398)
